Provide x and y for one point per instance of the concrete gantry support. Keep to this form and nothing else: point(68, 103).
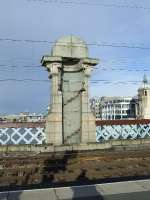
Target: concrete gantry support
point(70, 120)
point(53, 129)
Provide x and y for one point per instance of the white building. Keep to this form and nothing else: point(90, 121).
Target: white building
point(108, 108)
point(23, 117)
point(114, 107)
point(30, 117)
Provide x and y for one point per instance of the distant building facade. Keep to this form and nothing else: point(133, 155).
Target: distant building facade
point(95, 105)
point(23, 117)
point(112, 108)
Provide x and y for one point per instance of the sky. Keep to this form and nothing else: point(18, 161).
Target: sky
point(42, 20)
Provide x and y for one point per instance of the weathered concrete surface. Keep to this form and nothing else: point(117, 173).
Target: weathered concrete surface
point(130, 190)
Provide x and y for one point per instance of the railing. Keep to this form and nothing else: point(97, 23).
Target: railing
point(122, 129)
point(33, 133)
point(22, 133)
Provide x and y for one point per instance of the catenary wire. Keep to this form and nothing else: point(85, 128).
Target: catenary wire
point(92, 81)
point(101, 68)
point(108, 5)
point(97, 44)
point(4, 66)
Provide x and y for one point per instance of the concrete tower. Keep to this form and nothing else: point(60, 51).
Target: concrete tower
point(144, 99)
point(70, 120)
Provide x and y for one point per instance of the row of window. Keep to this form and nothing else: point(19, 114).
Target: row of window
point(115, 117)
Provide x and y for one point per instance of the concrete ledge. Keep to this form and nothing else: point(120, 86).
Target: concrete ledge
point(122, 144)
point(50, 148)
point(135, 190)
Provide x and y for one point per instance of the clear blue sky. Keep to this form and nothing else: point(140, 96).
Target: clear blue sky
point(25, 19)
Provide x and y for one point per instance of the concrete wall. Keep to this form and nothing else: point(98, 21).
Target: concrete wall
point(122, 144)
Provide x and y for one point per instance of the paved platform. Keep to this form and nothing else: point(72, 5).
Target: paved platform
point(129, 190)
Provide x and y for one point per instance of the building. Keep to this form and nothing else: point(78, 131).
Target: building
point(123, 107)
point(23, 117)
point(118, 108)
point(114, 107)
point(95, 105)
point(144, 100)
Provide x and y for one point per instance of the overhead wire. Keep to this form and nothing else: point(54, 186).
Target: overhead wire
point(65, 43)
point(23, 80)
point(97, 44)
point(103, 68)
point(108, 5)
point(100, 67)
point(92, 81)
point(119, 60)
point(4, 66)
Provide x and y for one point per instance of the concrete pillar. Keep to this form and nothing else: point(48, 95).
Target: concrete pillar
point(53, 129)
point(70, 120)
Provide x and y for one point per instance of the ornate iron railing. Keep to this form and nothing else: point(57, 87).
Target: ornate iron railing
point(21, 133)
point(122, 129)
point(33, 133)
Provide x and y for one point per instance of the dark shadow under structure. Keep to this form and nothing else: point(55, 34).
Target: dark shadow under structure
point(91, 189)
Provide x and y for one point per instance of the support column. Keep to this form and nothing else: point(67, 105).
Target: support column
point(88, 119)
point(53, 128)
point(70, 120)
